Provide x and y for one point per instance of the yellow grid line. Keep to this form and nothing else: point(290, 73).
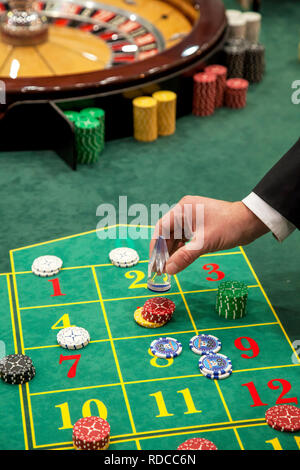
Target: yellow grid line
point(242, 251)
point(269, 303)
point(159, 333)
point(17, 351)
point(114, 352)
point(168, 433)
point(80, 235)
point(103, 265)
point(124, 298)
point(160, 379)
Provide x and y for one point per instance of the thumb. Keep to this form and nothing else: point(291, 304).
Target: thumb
point(181, 259)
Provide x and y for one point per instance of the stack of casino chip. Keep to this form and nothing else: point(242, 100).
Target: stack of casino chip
point(155, 313)
point(284, 418)
point(254, 66)
point(71, 115)
point(145, 119)
point(197, 443)
point(166, 348)
point(124, 257)
point(46, 266)
point(89, 139)
point(205, 344)
point(253, 25)
point(235, 50)
point(73, 337)
point(91, 433)
point(232, 299)
point(236, 93)
point(166, 112)
point(16, 369)
point(215, 366)
point(221, 73)
point(99, 114)
point(236, 27)
point(204, 96)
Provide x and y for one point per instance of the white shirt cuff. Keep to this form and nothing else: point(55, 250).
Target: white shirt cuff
point(278, 224)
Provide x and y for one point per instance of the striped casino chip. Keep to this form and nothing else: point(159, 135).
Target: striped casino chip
point(215, 363)
point(197, 443)
point(221, 74)
point(89, 138)
point(145, 127)
point(285, 418)
point(204, 344)
point(140, 320)
point(124, 257)
point(17, 369)
point(204, 94)
point(47, 264)
point(156, 317)
point(166, 348)
point(73, 337)
point(159, 306)
point(91, 433)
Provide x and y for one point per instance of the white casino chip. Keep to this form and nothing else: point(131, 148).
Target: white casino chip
point(73, 337)
point(124, 257)
point(38, 273)
point(47, 264)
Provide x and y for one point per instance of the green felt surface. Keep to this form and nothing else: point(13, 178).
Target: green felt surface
point(150, 403)
point(222, 156)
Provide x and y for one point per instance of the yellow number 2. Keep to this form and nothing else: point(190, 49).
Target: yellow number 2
point(137, 276)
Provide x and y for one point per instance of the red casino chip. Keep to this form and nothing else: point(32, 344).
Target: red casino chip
point(197, 443)
point(91, 433)
point(285, 418)
point(204, 95)
point(156, 318)
point(159, 306)
point(237, 84)
point(236, 93)
point(221, 73)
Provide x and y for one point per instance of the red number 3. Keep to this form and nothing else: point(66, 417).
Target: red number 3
point(214, 268)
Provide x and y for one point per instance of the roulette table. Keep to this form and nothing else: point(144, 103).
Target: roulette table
point(107, 52)
point(105, 47)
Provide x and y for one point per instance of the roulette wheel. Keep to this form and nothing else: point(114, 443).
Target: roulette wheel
point(60, 51)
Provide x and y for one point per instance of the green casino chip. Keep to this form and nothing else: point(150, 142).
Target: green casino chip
point(71, 115)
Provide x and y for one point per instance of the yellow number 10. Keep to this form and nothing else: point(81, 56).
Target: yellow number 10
point(86, 411)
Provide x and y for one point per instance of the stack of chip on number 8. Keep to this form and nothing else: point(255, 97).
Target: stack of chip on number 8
point(155, 313)
point(232, 299)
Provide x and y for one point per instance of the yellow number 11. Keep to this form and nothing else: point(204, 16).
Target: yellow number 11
point(162, 408)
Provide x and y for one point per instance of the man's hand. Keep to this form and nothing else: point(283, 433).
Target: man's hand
point(226, 225)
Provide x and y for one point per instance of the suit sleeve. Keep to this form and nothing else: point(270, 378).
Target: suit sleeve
point(280, 187)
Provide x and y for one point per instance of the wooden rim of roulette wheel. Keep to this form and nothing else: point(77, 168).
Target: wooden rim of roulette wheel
point(208, 24)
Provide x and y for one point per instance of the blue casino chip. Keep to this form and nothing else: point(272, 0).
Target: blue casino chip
point(217, 376)
point(205, 344)
point(216, 364)
point(166, 347)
